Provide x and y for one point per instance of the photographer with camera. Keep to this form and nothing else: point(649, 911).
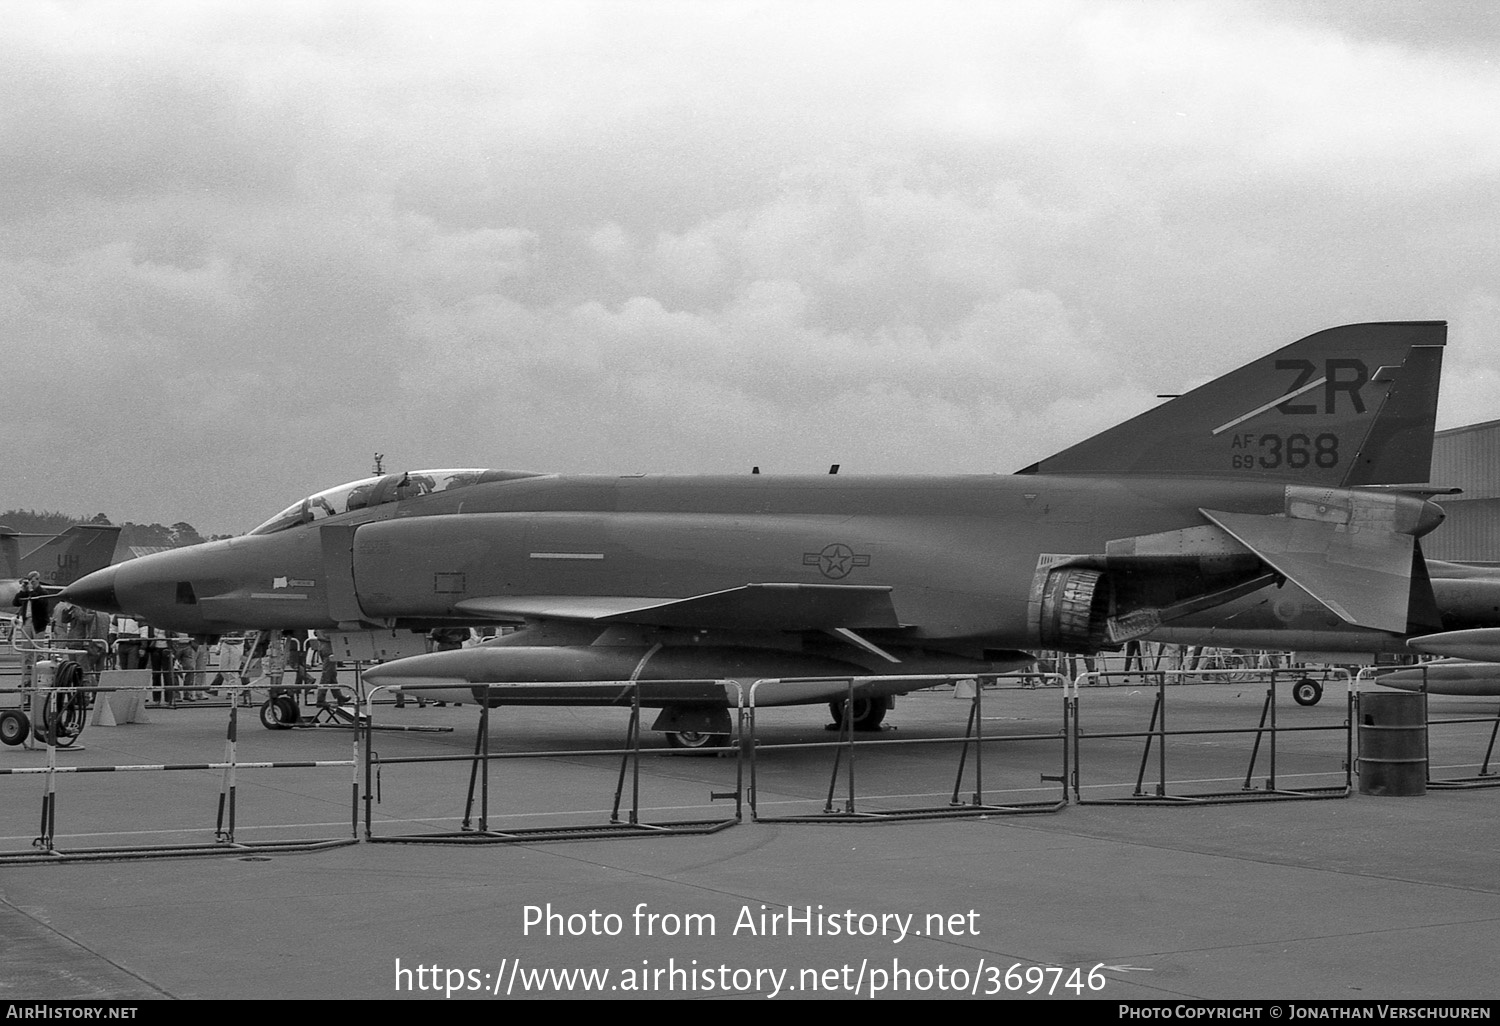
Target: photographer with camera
point(33, 600)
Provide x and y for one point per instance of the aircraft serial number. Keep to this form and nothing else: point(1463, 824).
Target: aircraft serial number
point(1294, 452)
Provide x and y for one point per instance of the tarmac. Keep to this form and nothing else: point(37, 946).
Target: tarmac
point(1361, 897)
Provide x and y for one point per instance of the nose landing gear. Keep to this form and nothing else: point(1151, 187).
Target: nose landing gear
point(280, 712)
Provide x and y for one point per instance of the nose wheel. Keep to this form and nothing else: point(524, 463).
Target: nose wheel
point(280, 712)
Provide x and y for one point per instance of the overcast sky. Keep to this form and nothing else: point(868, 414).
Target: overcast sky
point(247, 245)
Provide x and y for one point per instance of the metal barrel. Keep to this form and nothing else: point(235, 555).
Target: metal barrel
point(1392, 744)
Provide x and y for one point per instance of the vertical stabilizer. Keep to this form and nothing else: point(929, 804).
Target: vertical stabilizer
point(79, 550)
point(10, 553)
point(1352, 405)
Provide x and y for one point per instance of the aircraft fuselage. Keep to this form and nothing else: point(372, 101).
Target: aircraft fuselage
point(963, 557)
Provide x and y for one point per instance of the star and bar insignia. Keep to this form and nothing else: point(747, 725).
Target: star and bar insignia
point(835, 560)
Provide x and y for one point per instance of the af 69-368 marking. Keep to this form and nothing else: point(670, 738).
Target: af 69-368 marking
point(1291, 451)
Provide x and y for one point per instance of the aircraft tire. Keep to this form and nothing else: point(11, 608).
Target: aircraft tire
point(696, 739)
point(279, 713)
point(15, 728)
point(869, 713)
point(1307, 691)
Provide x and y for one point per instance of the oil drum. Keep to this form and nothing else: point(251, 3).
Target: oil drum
point(1392, 743)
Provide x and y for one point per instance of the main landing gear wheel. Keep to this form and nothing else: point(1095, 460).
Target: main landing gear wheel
point(280, 713)
point(869, 713)
point(696, 739)
point(15, 727)
point(1307, 691)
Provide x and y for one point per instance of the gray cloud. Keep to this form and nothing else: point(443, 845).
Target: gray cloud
point(243, 250)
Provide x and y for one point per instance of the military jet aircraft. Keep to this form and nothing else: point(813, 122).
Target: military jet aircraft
point(61, 560)
point(1300, 476)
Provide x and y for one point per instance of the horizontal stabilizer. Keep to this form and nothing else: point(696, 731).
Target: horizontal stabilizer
point(1363, 576)
point(775, 607)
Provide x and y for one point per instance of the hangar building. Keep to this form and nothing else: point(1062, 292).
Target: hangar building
point(1467, 458)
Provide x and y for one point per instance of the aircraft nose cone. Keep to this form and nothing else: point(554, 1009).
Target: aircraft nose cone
point(96, 591)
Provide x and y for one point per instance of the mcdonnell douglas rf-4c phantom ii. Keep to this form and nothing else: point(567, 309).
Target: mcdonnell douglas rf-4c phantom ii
point(1289, 491)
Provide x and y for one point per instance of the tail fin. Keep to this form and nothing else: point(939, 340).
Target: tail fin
point(1347, 406)
point(79, 550)
point(10, 553)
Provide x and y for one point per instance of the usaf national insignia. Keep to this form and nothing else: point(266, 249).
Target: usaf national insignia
point(835, 560)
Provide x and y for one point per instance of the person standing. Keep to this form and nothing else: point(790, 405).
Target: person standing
point(128, 652)
point(33, 601)
point(227, 656)
point(70, 630)
point(296, 661)
point(158, 654)
point(180, 662)
point(328, 676)
point(96, 643)
point(192, 659)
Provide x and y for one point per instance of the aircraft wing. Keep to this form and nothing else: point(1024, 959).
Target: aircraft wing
point(1364, 576)
point(773, 607)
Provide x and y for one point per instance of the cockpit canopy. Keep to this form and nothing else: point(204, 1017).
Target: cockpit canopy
point(376, 491)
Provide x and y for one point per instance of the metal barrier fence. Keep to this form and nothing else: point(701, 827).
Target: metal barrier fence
point(630, 825)
point(972, 794)
point(1265, 733)
point(45, 847)
point(1486, 777)
point(845, 748)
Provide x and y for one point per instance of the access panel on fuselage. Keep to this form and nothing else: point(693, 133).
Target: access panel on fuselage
point(415, 567)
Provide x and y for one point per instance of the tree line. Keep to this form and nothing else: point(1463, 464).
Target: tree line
point(30, 521)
